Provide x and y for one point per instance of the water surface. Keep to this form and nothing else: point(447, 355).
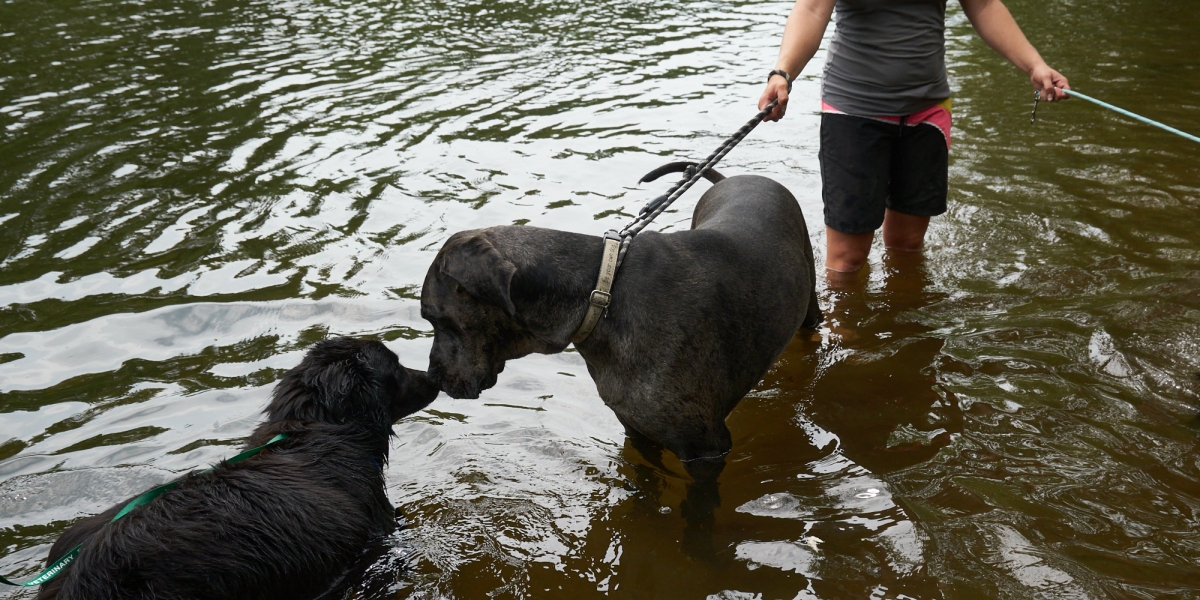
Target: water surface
point(193, 193)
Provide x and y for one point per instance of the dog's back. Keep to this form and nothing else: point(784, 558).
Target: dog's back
point(284, 524)
point(763, 220)
point(714, 306)
point(747, 256)
point(749, 206)
point(281, 526)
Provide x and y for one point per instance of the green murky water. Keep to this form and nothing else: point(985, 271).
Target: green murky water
point(191, 193)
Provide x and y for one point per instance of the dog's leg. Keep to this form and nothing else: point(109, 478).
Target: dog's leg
point(650, 450)
point(700, 505)
point(814, 316)
point(704, 464)
point(648, 474)
point(698, 438)
point(701, 444)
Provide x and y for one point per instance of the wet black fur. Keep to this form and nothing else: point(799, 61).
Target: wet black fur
point(285, 524)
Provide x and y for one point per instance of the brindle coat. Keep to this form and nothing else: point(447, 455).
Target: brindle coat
point(697, 317)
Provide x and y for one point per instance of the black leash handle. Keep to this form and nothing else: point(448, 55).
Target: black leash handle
point(694, 174)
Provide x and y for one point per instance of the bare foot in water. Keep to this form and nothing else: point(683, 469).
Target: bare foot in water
point(846, 299)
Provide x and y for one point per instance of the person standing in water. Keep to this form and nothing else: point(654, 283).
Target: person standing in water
point(885, 104)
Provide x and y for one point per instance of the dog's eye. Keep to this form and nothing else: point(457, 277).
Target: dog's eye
point(459, 289)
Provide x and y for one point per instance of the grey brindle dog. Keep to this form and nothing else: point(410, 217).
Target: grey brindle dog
point(696, 317)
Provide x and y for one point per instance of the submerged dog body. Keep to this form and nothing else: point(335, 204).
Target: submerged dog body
point(284, 524)
point(696, 318)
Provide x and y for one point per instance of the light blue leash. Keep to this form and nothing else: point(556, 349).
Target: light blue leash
point(1122, 111)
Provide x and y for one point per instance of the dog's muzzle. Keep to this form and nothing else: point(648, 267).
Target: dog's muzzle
point(461, 389)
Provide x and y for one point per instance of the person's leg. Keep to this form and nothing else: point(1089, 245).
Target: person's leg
point(903, 232)
point(846, 252)
point(855, 155)
point(918, 187)
point(845, 302)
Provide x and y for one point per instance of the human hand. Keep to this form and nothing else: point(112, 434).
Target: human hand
point(1049, 82)
point(777, 89)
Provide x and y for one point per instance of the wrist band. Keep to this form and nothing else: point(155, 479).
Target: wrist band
point(783, 74)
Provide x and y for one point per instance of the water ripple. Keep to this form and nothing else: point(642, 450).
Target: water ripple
point(194, 193)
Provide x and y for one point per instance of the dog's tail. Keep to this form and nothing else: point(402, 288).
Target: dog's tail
point(679, 167)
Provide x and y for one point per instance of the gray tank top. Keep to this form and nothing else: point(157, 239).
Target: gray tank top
point(887, 57)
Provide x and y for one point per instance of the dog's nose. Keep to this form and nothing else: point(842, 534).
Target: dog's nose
point(455, 389)
point(463, 392)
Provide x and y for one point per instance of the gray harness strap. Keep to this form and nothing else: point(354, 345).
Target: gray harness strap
point(600, 297)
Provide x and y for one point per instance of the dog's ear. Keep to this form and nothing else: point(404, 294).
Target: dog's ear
point(333, 383)
point(482, 271)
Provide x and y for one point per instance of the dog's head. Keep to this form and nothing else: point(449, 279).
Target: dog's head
point(467, 297)
point(350, 381)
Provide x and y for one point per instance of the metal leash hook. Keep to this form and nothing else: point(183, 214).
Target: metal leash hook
point(1037, 96)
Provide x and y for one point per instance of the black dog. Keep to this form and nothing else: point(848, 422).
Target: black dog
point(285, 524)
point(696, 319)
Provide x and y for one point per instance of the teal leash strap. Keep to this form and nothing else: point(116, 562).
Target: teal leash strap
point(1129, 114)
point(60, 565)
point(51, 572)
point(251, 452)
point(146, 498)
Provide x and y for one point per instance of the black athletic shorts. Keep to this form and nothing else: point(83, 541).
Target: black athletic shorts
point(868, 165)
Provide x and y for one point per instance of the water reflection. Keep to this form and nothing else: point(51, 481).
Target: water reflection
point(898, 414)
point(866, 401)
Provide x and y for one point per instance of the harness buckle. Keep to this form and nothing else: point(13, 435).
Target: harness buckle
point(600, 299)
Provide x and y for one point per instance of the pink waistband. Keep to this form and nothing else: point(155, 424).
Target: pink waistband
point(937, 115)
